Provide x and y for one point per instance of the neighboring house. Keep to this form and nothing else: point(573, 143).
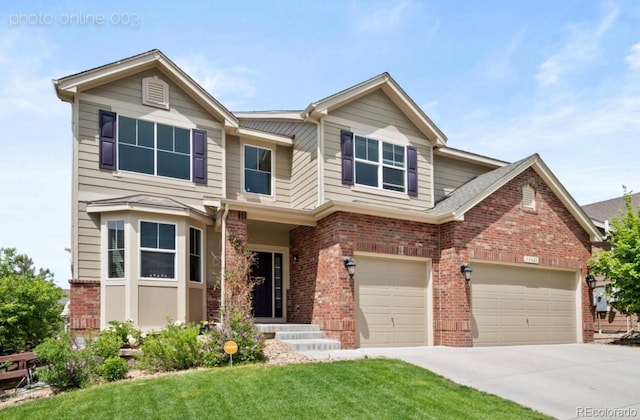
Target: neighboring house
point(164, 175)
point(611, 320)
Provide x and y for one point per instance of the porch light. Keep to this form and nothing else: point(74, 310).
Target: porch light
point(591, 281)
point(350, 265)
point(466, 271)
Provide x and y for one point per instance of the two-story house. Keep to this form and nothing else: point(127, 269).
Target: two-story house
point(164, 175)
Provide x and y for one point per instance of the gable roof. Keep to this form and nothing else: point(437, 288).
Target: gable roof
point(67, 87)
point(473, 192)
point(602, 211)
point(390, 87)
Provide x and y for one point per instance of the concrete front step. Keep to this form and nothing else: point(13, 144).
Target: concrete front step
point(321, 344)
point(274, 328)
point(299, 335)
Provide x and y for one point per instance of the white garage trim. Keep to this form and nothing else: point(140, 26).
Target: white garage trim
point(528, 304)
point(428, 284)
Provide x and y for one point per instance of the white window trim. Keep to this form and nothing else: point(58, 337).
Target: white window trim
point(380, 165)
point(201, 255)
point(273, 170)
point(174, 251)
point(121, 172)
point(106, 249)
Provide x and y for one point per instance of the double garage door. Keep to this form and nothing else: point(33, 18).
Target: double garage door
point(520, 305)
point(391, 302)
point(509, 305)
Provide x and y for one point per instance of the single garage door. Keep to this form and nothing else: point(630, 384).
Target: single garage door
point(391, 302)
point(520, 305)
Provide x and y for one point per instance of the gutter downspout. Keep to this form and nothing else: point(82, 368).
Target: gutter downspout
point(223, 256)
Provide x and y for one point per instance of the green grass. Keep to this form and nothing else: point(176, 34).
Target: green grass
point(368, 388)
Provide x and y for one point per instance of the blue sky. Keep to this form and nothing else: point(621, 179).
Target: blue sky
point(504, 79)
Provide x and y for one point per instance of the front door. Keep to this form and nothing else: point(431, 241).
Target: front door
point(267, 294)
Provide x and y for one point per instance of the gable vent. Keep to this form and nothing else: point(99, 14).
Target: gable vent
point(528, 197)
point(155, 92)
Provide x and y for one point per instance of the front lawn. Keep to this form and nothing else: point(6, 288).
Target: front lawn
point(367, 388)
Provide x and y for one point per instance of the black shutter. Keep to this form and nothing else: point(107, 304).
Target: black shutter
point(199, 159)
point(346, 147)
point(412, 171)
point(107, 130)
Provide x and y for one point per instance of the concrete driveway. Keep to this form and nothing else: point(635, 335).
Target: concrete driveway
point(565, 381)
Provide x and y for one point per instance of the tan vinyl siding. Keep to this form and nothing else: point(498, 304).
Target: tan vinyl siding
point(377, 111)
point(124, 96)
point(303, 175)
point(281, 172)
point(375, 116)
point(449, 174)
point(334, 190)
point(88, 244)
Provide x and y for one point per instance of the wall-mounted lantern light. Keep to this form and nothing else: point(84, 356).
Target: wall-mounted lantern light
point(466, 271)
point(591, 281)
point(350, 265)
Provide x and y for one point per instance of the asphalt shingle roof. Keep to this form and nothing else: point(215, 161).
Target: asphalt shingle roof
point(605, 210)
point(476, 187)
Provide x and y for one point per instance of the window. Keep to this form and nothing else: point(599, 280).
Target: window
point(379, 164)
point(115, 249)
point(157, 250)
point(153, 148)
point(195, 255)
point(257, 170)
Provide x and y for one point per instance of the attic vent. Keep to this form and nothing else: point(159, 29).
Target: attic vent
point(528, 197)
point(155, 92)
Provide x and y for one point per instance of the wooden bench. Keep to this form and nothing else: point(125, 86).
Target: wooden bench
point(18, 366)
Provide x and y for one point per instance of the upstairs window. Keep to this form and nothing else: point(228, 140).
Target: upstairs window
point(153, 148)
point(257, 170)
point(115, 249)
point(379, 164)
point(157, 250)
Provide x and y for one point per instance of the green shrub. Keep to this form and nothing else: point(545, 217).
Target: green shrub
point(129, 336)
point(106, 345)
point(240, 329)
point(175, 347)
point(67, 368)
point(114, 368)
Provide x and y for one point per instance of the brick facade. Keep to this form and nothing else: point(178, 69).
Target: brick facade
point(84, 296)
point(498, 229)
point(321, 292)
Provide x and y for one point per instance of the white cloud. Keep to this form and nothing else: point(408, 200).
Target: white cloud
point(634, 57)
point(582, 46)
point(383, 19)
point(229, 85)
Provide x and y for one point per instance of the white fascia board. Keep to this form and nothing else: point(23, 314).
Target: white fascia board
point(270, 115)
point(269, 213)
point(333, 206)
point(110, 208)
point(470, 157)
point(263, 136)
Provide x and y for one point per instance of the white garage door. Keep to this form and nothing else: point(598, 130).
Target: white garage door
point(391, 302)
point(519, 305)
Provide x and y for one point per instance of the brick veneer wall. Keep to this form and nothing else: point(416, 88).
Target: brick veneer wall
point(498, 229)
point(84, 308)
point(236, 225)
